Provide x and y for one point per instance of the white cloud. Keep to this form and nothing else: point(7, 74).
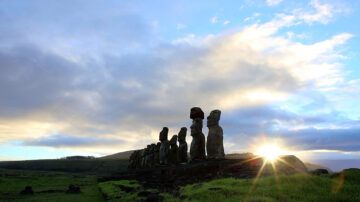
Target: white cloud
point(273, 2)
point(214, 20)
point(180, 26)
point(323, 12)
point(226, 22)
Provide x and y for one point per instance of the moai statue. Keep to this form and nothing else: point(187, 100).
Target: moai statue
point(197, 148)
point(138, 159)
point(132, 161)
point(173, 152)
point(182, 153)
point(147, 156)
point(214, 143)
point(152, 155)
point(156, 154)
point(164, 147)
point(142, 158)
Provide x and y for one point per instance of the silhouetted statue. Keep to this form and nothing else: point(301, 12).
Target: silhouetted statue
point(142, 161)
point(151, 155)
point(156, 154)
point(173, 152)
point(214, 143)
point(182, 153)
point(147, 156)
point(197, 148)
point(164, 148)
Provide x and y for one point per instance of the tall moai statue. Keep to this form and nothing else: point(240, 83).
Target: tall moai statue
point(197, 148)
point(173, 152)
point(164, 147)
point(182, 153)
point(214, 143)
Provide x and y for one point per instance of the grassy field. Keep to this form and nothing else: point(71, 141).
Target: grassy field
point(300, 187)
point(89, 166)
point(343, 186)
point(43, 183)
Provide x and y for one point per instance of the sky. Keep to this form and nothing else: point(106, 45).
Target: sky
point(82, 77)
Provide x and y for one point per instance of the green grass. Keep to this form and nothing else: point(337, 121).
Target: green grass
point(13, 181)
point(300, 187)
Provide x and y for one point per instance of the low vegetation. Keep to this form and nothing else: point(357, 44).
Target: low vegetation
point(47, 186)
point(52, 186)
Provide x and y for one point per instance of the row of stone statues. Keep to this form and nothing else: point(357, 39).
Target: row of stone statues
point(168, 152)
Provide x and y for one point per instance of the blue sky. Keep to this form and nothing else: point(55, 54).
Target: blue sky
point(99, 77)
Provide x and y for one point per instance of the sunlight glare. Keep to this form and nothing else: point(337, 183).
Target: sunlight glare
point(270, 152)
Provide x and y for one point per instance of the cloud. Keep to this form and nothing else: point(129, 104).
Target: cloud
point(106, 90)
point(60, 140)
point(180, 26)
point(323, 12)
point(214, 20)
point(226, 22)
point(273, 2)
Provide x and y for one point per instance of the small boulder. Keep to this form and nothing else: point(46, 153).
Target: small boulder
point(73, 189)
point(154, 198)
point(320, 171)
point(27, 191)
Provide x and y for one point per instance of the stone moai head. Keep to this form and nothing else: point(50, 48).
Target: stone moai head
point(213, 118)
point(182, 135)
point(173, 140)
point(196, 127)
point(163, 136)
point(196, 112)
point(147, 149)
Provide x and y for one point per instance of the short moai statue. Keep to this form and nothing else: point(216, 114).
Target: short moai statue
point(173, 152)
point(147, 157)
point(132, 161)
point(197, 148)
point(214, 143)
point(142, 158)
point(152, 155)
point(182, 153)
point(164, 147)
point(157, 154)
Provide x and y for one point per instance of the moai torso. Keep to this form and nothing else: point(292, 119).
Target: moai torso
point(164, 147)
point(182, 152)
point(214, 144)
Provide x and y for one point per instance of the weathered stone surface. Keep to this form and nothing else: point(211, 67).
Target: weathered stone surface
point(197, 148)
point(182, 153)
point(214, 143)
point(196, 112)
point(173, 152)
point(164, 147)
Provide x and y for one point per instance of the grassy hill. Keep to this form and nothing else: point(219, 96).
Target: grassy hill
point(121, 155)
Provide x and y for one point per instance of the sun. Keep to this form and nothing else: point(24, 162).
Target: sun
point(270, 151)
